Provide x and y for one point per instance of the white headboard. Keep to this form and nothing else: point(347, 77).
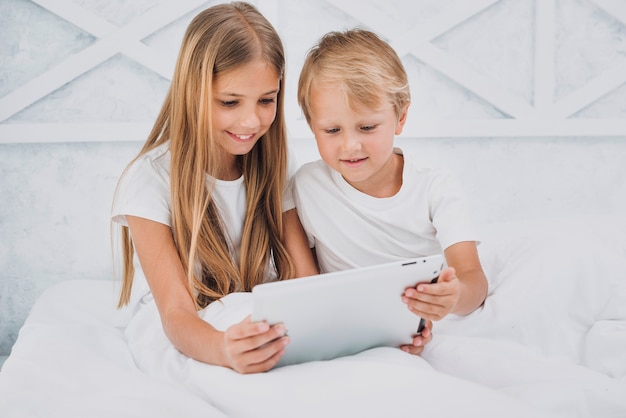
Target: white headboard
point(524, 100)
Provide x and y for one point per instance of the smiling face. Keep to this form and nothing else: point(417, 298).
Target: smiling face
point(357, 141)
point(243, 109)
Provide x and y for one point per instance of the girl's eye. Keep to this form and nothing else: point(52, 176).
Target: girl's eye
point(268, 100)
point(229, 103)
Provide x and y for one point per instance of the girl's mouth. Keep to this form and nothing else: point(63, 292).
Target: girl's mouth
point(240, 137)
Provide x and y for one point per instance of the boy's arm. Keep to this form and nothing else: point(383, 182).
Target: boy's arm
point(463, 257)
point(461, 288)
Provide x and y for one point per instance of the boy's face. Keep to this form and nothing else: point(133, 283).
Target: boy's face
point(357, 141)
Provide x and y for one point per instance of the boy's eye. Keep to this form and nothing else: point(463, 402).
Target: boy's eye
point(331, 130)
point(368, 127)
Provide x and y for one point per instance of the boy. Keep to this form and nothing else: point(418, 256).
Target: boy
point(365, 202)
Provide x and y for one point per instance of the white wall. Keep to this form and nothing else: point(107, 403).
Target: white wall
point(525, 100)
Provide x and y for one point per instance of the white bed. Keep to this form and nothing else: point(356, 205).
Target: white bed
point(550, 341)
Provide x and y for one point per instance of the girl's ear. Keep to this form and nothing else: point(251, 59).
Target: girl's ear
point(402, 119)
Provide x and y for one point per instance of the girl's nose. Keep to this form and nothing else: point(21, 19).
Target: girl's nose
point(250, 119)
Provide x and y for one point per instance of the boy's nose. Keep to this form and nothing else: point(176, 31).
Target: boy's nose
point(351, 142)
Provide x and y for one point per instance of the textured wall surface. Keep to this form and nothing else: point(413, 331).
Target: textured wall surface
point(524, 99)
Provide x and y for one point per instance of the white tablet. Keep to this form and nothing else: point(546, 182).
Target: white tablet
point(342, 313)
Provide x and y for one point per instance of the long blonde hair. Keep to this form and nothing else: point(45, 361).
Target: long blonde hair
point(219, 39)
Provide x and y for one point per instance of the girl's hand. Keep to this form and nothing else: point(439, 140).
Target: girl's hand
point(253, 347)
point(434, 300)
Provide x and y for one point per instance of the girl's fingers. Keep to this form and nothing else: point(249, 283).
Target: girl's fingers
point(254, 346)
point(264, 365)
point(267, 353)
point(246, 329)
point(259, 359)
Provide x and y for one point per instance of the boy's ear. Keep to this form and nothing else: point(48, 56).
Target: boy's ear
point(402, 119)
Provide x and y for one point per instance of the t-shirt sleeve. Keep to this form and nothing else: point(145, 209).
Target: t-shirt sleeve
point(288, 197)
point(300, 195)
point(449, 212)
point(143, 191)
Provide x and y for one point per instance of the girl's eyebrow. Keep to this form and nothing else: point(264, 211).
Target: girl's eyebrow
point(242, 95)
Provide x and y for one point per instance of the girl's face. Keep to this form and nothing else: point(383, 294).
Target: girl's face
point(244, 107)
point(357, 141)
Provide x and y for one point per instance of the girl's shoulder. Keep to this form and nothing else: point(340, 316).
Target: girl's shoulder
point(144, 188)
point(157, 159)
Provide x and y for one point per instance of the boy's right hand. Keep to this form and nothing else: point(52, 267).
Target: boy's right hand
point(254, 347)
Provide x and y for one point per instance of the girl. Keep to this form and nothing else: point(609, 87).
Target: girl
point(202, 204)
point(365, 202)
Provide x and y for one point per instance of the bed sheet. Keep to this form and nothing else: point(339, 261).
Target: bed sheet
point(71, 360)
point(549, 341)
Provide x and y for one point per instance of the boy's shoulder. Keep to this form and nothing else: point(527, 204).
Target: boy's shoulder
point(313, 169)
point(413, 165)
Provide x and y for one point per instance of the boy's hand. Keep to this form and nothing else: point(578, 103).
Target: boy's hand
point(434, 300)
point(253, 347)
point(419, 341)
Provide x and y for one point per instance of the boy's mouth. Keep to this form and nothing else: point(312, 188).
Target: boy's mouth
point(353, 161)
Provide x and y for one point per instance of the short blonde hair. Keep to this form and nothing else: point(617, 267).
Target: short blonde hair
point(362, 64)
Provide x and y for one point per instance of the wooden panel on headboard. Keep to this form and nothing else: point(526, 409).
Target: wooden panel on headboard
point(478, 68)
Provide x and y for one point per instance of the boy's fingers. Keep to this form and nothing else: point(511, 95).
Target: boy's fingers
point(447, 274)
point(411, 349)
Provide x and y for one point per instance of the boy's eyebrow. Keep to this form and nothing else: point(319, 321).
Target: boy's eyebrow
point(321, 122)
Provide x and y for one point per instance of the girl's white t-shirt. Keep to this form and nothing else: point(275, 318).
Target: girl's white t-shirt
point(144, 191)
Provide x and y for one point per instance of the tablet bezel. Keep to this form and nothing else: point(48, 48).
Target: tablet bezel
point(342, 313)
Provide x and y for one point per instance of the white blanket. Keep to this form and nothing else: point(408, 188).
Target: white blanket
point(549, 341)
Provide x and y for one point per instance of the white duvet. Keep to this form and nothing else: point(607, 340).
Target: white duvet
point(549, 341)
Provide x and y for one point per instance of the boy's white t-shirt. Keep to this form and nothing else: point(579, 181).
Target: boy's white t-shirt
point(144, 191)
point(351, 229)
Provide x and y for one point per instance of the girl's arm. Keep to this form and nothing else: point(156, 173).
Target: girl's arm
point(297, 245)
point(239, 347)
